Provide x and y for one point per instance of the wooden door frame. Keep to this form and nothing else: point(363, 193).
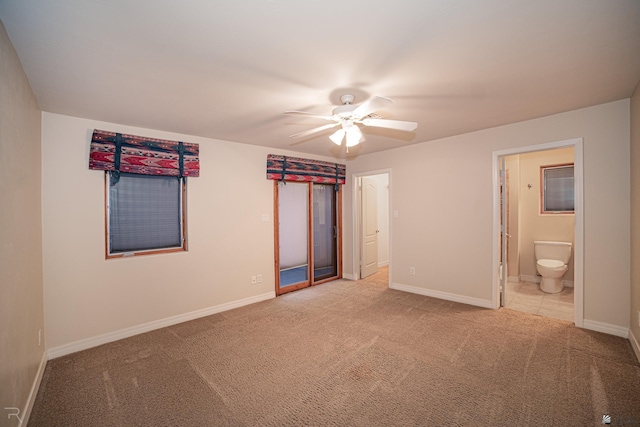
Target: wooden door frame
point(310, 254)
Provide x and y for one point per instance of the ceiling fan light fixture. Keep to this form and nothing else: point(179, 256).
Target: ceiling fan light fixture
point(337, 136)
point(350, 117)
point(354, 136)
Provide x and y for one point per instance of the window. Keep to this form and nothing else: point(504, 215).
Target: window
point(557, 189)
point(145, 214)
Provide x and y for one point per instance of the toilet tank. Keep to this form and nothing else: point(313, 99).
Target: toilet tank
point(544, 249)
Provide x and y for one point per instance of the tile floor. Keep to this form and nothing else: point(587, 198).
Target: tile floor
point(527, 296)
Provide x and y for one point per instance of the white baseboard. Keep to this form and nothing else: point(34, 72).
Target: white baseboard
point(84, 344)
point(530, 279)
point(349, 276)
point(383, 264)
point(634, 344)
point(26, 412)
point(442, 295)
point(607, 328)
point(513, 279)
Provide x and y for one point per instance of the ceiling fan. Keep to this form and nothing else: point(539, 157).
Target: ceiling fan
point(349, 116)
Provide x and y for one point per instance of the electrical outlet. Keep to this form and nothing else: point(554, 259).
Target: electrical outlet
point(412, 271)
point(253, 280)
point(259, 278)
point(39, 337)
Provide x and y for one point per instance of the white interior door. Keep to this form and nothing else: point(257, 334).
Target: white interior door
point(369, 244)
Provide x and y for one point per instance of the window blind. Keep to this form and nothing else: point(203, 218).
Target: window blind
point(558, 189)
point(144, 213)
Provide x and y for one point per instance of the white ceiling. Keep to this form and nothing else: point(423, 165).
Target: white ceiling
point(229, 69)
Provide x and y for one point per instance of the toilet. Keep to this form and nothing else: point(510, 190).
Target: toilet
point(552, 259)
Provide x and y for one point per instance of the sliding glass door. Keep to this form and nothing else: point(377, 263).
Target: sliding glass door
point(307, 229)
point(293, 235)
point(325, 232)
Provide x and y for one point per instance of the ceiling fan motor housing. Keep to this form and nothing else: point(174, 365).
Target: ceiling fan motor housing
point(347, 98)
point(346, 109)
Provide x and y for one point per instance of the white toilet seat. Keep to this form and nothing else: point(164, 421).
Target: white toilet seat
point(551, 264)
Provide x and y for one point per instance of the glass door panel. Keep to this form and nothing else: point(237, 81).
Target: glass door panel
point(293, 234)
point(325, 232)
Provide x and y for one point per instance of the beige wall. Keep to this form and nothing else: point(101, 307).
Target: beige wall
point(87, 296)
point(443, 192)
point(532, 225)
point(21, 308)
point(635, 219)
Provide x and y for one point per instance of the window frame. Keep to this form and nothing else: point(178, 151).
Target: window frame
point(142, 252)
point(543, 210)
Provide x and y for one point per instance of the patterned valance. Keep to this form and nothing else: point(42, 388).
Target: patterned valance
point(285, 168)
point(111, 151)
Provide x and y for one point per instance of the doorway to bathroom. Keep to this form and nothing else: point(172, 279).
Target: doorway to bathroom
point(524, 212)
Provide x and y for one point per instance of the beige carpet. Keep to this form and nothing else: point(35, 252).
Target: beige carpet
point(349, 354)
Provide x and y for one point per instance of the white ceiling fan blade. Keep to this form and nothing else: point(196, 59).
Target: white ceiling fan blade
point(314, 130)
point(308, 114)
point(391, 124)
point(371, 105)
